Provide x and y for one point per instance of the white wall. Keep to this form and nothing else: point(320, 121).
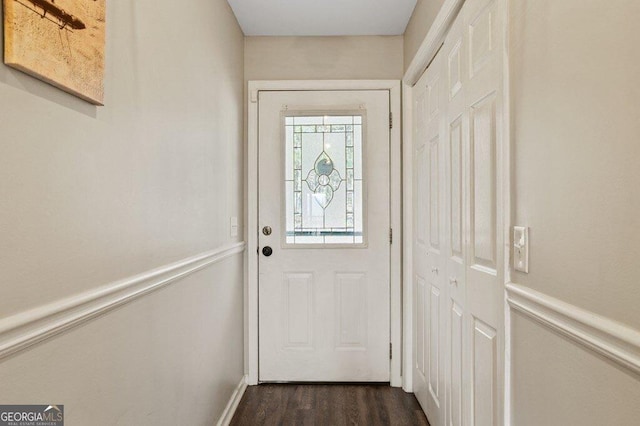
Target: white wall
point(91, 194)
point(576, 123)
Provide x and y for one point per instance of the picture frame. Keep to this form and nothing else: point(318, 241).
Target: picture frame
point(61, 42)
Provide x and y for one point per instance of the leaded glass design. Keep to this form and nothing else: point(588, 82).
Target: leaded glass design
point(323, 179)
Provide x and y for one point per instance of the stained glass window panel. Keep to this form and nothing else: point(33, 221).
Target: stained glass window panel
point(357, 149)
point(323, 179)
point(304, 120)
point(342, 119)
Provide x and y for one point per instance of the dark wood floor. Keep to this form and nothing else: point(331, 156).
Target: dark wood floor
point(328, 405)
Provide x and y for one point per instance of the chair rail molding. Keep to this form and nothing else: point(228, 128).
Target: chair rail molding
point(611, 339)
point(25, 329)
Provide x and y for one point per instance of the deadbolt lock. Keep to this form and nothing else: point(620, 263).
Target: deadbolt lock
point(266, 230)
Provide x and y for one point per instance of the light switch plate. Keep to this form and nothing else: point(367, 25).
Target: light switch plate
point(234, 226)
point(521, 249)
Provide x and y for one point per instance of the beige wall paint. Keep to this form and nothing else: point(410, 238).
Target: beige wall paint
point(576, 121)
point(423, 16)
point(171, 358)
point(90, 195)
point(576, 125)
point(559, 383)
point(323, 58)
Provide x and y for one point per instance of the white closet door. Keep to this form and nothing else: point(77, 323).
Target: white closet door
point(429, 283)
point(485, 283)
point(457, 135)
point(459, 241)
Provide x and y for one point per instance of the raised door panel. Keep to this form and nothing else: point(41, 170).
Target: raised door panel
point(351, 311)
point(420, 216)
point(455, 383)
point(421, 328)
point(434, 192)
point(297, 318)
point(485, 361)
point(432, 167)
point(483, 174)
point(454, 70)
point(435, 347)
point(482, 43)
point(433, 90)
point(455, 195)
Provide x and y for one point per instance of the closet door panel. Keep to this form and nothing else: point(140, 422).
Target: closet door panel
point(429, 239)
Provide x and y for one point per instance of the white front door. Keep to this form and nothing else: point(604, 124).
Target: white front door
point(324, 221)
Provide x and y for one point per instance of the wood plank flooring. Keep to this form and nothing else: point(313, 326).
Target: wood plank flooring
point(330, 404)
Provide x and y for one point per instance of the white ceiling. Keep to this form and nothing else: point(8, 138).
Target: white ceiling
point(322, 17)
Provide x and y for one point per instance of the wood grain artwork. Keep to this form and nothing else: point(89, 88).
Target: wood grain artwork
point(58, 41)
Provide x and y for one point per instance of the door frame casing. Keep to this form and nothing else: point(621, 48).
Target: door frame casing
point(251, 232)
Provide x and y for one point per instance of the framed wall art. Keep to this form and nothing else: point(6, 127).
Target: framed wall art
point(59, 41)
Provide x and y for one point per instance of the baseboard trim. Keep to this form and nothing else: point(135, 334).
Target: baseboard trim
point(232, 405)
point(611, 339)
point(25, 329)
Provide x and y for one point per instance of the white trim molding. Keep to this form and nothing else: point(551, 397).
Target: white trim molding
point(251, 302)
point(234, 401)
point(407, 238)
point(433, 40)
point(28, 328)
point(611, 339)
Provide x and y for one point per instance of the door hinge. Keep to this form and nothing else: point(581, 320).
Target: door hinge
point(390, 235)
point(390, 120)
point(390, 350)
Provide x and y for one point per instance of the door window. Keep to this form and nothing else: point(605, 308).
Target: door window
point(324, 184)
